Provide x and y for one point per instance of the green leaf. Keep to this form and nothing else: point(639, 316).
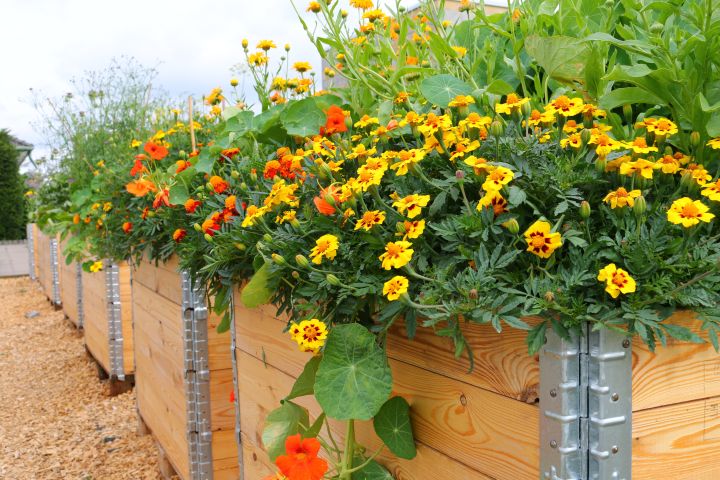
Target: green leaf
point(178, 194)
point(372, 471)
point(304, 118)
point(392, 425)
point(205, 162)
point(629, 96)
point(314, 429)
point(353, 379)
point(224, 324)
point(79, 197)
point(713, 126)
point(441, 89)
point(305, 383)
point(681, 333)
point(257, 291)
point(281, 423)
point(562, 58)
point(536, 338)
point(499, 87)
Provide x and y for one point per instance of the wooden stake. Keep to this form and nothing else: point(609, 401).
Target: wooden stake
point(192, 126)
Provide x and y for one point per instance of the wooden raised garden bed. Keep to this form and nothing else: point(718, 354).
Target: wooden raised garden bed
point(183, 375)
point(47, 264)
point(71, 289)
point(485, 424)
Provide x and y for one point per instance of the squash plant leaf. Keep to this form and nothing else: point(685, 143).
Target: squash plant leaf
point(392, 425)
point(353, 379)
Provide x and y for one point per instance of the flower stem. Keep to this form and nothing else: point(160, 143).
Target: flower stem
point(349, 453)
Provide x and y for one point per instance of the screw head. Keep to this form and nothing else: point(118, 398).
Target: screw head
point(553, 444)
point(626, 343)
point(614, 397)
point(615, 449)
point(553, 393)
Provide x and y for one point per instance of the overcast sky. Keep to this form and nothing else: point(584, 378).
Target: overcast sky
point(45, 43)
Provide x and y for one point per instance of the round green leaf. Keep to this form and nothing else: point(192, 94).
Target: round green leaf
point(392, 425)
point(281, 423)
point(371, 471)
point(304, 118)
point(353, 379)
point(441, 89)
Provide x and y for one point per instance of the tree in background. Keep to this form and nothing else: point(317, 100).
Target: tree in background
point(12, 203)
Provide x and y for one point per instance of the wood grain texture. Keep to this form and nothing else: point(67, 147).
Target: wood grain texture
point(96, 335)
point(44, 273)
point(126, 315)
point(68, 287)
point(36, 232)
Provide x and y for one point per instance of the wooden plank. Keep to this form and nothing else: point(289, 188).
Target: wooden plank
point(224, 449)
point(678, 442)
point(68, 287)
point(160, 280)
point(256, 463)
point(218, 344)
point(222, 411)
point(126, 316)
point(96, 322)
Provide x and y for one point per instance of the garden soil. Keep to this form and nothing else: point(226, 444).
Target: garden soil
point(56, 418)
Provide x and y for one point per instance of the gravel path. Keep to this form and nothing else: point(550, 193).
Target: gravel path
point(56, 420)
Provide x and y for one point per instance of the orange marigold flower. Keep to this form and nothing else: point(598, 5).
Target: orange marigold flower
point(191, 205)
point(229, 153)
point(182, 165)
point(156, 152)
point(76, 218)
point(127, 227)
point(212, 224)
point(179, 234)
point(218, 184)
point(141, 187)
point(301, 460)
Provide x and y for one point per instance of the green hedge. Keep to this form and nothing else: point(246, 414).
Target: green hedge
point(12, 202)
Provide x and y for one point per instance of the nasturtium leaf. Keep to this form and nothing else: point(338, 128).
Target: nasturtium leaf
point(257, 291)
point(441, 89)
point(282, 422)
point(392, 425)
point(178, 194)
point(314, 429)
point(372, 471)
point(304, 118)
point(353, 379)
point(79, 197)
point(305, 383)
point(205, 162)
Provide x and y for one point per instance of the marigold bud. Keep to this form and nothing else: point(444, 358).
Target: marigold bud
point(695, 139)
point(512, 226)
point(343, 13)
point(329, 199)
point(240, 246)
point(253, 175)
point(295, 274)
point(628, 113)
point(235, 174)
point(333, 280)
point(209, 187)
point(549, 296)
point(459, 174)
point(585, 136)
point(584, 209)
point(182, 154)
point(197, 227)
point(687, 180)
point(150, 214)
point(244, 43)
point(234, 82)
point(287, 47)
point(600, 164)
point(656, 28)
point(640, 206)
point(243, 187)
point(267, 237)
point(496, 128)
point(279, 259)
point(208, 237)
point(473, 294)
point(302, 261)
point(526, 109)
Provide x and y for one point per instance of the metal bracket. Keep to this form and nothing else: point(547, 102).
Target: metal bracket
point(233, 344)
point(31, 250)
point(114, 314)
point(79, 290)
point(197, 379)
point(55, 271)
point(585, 406)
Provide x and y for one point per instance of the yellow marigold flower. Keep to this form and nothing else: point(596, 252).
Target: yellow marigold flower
point(712, 191)
point(287, 216)
point(565, 106)
point(661, 127)
point(614, 165)
point(640, 167)
point(370, 219)
point(480, 165)
point(699, 173)
point(107, 206)
point(366, 121)
point(30, 193)
point(688, 212)
point(434, 123)
point(714, 143)
point(405, 159)
point(493, 199)
point(361, 152)
point(397, 254)
point(281, 193)
point(314, 7)
point(461, 52)
point(373, 15)
point(96, 266)
point(512, 103)
point(257, 59)
point(516, 14)
point(640, 146)
point(616, 280)
point(621, 198)
point(302, 67)
point(368, 177)
point(412, 119)
point(539, 119)
point(310, 335)
point(462, 147)
point(135, 143)
point(668, 164)
point(474, 120)
point(570, 126)
point(497, 178)
point(540, 240)
point(412, 204)
point(462, 101)
point(401, 97)
point(325, 247)
point(252, 215)
point(573, 141)
point(395, 287)
point(592, 110)
point(604, 144)
point(266, 45)
point(413, 229)
point(362, 4)
point(279, 83)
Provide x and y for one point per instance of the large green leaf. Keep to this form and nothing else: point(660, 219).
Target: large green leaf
point(562, 58)
point(282, 422)
point(441, 89)
point(392, 425)
point(304, 118)
point(630, 96)
point(257, 291)
point(178, 194)
point(713, 126)
point(372, 471)
point(79, 197)
point(305, 383)
point(353, 379)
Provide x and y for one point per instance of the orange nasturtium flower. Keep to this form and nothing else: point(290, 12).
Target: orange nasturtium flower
point(540, 240)
point(182, 165)
point(335, 121)
point(301, 460)
point(688, 212)
point(162, 198)
point(325, 246)
point(179, 234)
point(156, 152)
point(218, 184)
point(395, 287)
point(616, 280)
point(138, 168)
point(322, 202)
point(141, 187)
point(127, 227)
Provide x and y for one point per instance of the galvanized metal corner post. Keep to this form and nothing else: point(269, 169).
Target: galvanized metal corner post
point(55, 271)
point(586, 406)
point(233, 344)
point(31, 250)
point(197, 379)
point(114, 314)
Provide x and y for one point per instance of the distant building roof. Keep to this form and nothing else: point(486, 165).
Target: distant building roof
point(24, 149)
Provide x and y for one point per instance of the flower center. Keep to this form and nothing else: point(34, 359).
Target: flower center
point(538, 240)
point(690, 211)
point(512, 98)
point(562, 103)
point(619, 279)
